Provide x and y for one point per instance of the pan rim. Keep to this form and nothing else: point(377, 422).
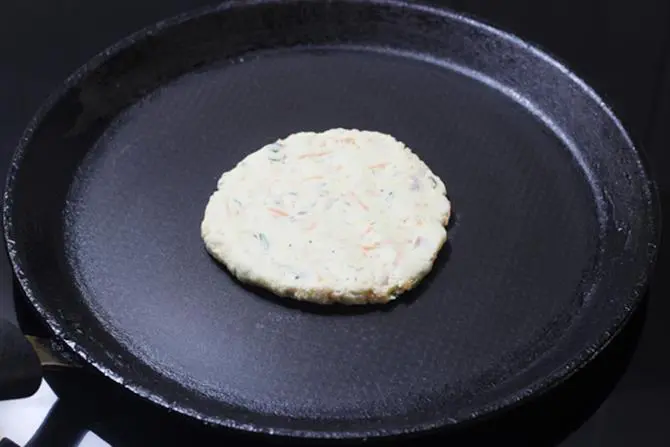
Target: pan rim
point(531, 390)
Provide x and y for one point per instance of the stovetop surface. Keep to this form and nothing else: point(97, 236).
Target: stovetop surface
point(621, 400)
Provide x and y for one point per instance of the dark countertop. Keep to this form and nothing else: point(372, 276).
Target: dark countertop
point(620, 48)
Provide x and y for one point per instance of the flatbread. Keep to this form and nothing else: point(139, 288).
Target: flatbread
point(342, 216)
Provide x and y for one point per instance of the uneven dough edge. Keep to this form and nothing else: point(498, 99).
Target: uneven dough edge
point(325, 295)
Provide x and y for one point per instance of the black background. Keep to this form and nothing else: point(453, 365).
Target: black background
point(621, 48)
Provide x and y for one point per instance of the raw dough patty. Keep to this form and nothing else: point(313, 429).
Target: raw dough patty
point(343, 216)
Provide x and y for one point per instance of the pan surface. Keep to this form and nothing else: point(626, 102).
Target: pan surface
point(554, 232)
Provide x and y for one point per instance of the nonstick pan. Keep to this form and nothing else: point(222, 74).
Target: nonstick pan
point(553, 238)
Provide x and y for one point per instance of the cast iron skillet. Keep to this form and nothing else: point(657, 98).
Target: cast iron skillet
point(553, 238)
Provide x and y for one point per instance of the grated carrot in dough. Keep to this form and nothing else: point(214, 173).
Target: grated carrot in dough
point(278, 212)
point(360, 202)
point(314, 154)
point(378, 166)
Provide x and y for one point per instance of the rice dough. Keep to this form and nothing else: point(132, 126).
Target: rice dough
point(344, 216)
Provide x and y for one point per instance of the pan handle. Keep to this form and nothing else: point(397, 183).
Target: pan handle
point(20, 367)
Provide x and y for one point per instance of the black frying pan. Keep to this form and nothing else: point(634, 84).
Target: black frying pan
point(553, 238)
